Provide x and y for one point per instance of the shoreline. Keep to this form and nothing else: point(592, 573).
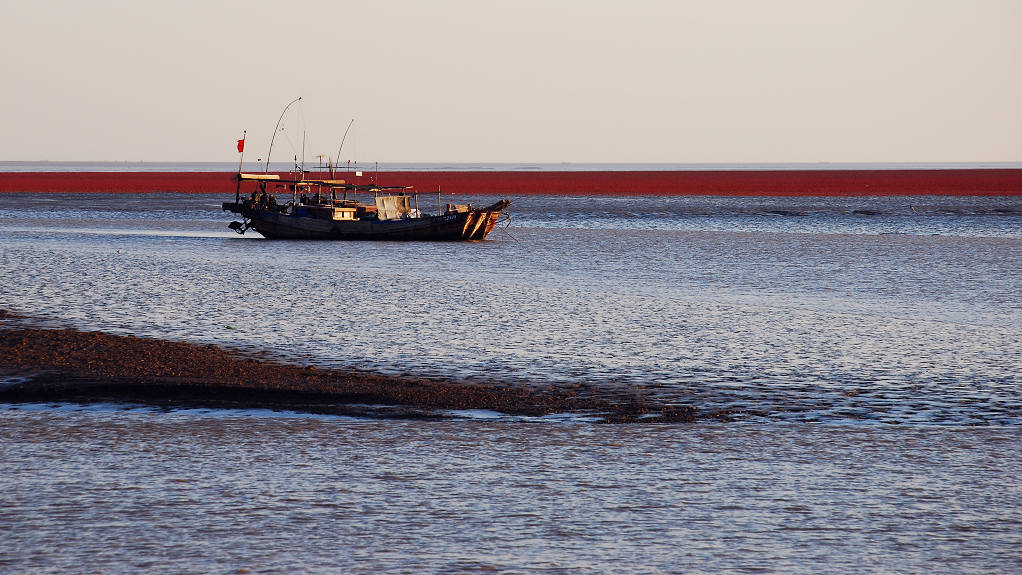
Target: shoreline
point(45, 365)
point(837, 182)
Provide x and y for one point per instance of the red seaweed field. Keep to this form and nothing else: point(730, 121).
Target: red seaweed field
point(893, 182)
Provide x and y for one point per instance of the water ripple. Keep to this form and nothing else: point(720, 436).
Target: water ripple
point(736, 306)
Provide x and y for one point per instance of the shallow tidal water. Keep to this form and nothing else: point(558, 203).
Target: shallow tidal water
point(115, 491)
point(868, 349)
point(787, 308)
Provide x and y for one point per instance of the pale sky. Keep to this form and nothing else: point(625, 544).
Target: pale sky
point(684, 81)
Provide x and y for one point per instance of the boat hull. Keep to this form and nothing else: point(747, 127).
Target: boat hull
point(457, 226)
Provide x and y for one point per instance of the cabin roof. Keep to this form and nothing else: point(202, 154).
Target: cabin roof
point(242, 176)
point(340, 184)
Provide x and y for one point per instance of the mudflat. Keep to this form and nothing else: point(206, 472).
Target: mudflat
point(68, 365)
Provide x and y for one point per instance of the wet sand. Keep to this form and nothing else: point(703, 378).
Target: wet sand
point(67, 365)
point(893, 182)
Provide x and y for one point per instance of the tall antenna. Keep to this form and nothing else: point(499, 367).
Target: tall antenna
point(275, 128)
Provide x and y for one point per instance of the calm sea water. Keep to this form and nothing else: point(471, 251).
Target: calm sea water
point(872, 345)
point(110, 491)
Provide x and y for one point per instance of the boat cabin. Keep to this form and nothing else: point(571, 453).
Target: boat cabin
point(328, 199)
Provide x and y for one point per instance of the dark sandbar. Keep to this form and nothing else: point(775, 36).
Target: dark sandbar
point(67, 365)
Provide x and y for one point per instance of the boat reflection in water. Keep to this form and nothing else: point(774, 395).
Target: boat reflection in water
point(322, 210)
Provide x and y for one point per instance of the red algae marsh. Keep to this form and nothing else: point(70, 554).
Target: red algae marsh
point(705, 182)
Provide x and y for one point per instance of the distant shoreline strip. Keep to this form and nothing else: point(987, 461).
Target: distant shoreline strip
point(884, 182)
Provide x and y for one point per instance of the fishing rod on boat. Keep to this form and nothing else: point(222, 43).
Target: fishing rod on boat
point(275, 130)
point(344, 137)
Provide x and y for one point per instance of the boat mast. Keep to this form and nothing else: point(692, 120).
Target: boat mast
point(275, 129)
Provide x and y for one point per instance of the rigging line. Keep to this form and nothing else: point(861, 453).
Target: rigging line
point(303, 128)
point(506, 230)
point(290, 142)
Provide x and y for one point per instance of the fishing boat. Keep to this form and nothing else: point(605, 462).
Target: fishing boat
point(329, 209)
point(320, 209)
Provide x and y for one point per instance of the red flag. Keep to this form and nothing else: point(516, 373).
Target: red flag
point(241, 145)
